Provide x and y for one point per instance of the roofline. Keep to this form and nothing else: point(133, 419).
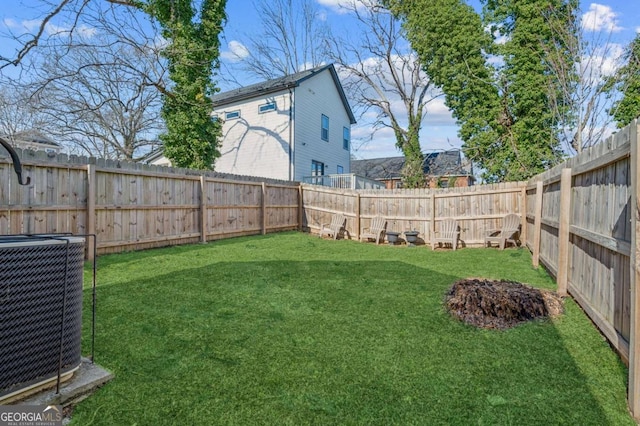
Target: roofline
point(153, 155)
point(250, 95)
point(292, 84)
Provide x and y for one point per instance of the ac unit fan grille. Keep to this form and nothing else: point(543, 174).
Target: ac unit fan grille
point(32, 298)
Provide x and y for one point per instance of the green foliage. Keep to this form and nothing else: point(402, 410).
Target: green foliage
point(413, 169)
point(627, 81)
point(192, 53)
point(505, 112)
point(288, 329)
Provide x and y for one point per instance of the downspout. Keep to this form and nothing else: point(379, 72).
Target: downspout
point(292, 152)
point(17, 166)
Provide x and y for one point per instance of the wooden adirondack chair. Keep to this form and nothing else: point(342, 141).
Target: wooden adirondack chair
point(448, 234)
point(335, 228)
point(376, 231)
point(507, 234)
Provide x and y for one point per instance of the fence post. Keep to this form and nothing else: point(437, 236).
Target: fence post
point(300, 207)
point(432, 223)
point(563, 231)
point(634, 342)
point(91, 209)
point(204, 226)
point(358, 217)
point(264, 208)
point(523, 212)
point(537, 222)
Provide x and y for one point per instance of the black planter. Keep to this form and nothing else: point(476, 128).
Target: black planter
point(412, 237)
point(392, 237)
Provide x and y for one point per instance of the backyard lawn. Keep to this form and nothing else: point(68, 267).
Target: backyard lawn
point(288, 329)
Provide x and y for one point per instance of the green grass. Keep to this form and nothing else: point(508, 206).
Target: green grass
point(290, 329)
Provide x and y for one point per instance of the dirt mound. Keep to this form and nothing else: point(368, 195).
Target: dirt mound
point(500, 304)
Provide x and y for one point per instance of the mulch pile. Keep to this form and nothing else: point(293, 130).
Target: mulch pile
point(500, 304)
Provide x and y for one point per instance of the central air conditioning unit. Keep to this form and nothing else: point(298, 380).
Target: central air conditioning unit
point(40, 310)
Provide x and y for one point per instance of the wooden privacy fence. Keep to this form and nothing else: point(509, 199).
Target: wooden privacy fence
point(132, 209)
point(583, 226)
point(579, 215)
point(476, 208)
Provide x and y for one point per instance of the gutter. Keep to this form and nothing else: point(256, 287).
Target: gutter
point(292, 152)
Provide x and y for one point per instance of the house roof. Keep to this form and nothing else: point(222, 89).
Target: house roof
point(443, 163)
point(282, 83)
point(32, 136)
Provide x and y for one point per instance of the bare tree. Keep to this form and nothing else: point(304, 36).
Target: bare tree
point(18, 114)
point(292, 38)
point(384, 76)
point(100, 92)
point(585, 117)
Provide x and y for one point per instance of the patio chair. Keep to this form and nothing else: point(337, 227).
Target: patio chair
point(507, 234)
point(448, 234)
point(376, 231)
point(335, 228)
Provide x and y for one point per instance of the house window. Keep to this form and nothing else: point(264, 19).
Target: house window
point(346, 138)
point(325, 128)
point(340, 170)
point(317, 169)
point(270, 106)
point(232, 115)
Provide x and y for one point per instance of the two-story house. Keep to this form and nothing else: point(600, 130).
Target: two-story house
point(286, 128)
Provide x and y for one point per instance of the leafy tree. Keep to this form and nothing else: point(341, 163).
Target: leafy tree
point(192, 54)
point(627, 81)
point(499, 85)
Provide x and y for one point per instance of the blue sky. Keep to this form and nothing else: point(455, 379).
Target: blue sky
point(617, 19)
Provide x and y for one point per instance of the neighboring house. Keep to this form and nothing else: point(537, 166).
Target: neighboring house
point(33, 140)
point(286, 128)
point(441, 169)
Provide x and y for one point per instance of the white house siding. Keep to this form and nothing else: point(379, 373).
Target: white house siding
point(256, 144)
point(313, 97)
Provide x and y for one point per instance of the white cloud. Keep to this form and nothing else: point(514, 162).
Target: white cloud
point(600, 18)
point(9, 23)
point(236, 52)
point(335, 5)
point(51, 29)
point(601, 62)
point(346, 6)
